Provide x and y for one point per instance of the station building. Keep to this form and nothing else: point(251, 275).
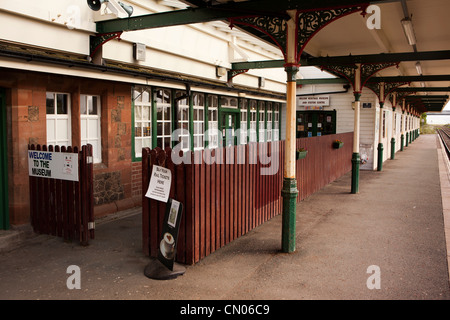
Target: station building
point(131, 90)
point(124, 98)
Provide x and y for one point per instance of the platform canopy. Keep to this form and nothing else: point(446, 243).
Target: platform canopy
point(417, 31)
point(429, 55)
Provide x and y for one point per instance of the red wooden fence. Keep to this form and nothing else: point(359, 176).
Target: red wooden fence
point(64, 208)
point(224, 201)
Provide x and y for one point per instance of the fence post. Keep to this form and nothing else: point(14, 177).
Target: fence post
point(90, 186)
point(145, 202)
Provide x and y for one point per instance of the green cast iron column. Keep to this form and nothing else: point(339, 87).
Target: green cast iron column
point(289, 194)
point(289, 191)
point(380, 157)
point(380, 144)
point(402, 142)
point(392, 148)
point(407, 139)
point(356, 159)
point(393, 131)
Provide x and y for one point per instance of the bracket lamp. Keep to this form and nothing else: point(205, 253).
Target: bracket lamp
point(409, 31)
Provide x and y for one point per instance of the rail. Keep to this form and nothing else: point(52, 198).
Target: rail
point(444, 134)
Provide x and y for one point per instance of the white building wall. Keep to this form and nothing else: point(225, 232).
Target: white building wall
point(369, 120)
point(194, 50)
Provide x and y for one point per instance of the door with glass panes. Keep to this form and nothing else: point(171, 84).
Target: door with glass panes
point(315, 123)
point(228, 124)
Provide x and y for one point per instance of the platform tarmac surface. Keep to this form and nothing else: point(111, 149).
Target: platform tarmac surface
point(395, 223)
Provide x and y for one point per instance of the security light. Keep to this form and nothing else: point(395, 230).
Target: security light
point(95, 5)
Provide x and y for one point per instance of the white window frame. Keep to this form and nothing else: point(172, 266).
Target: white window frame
point(262, 122)
point(253, 123)
point(269, 122)
point(276, 122)
point(183, 121)
point(163, 103)
point(142, 126)
point(199, 120)
point(244, 118)
point(59, 119)
point(213, 121)
point(229, 102)
point(95, 141)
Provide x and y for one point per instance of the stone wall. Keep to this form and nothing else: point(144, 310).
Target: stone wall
point(108, 187)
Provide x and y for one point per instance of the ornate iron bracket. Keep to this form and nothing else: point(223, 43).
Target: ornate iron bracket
point(402, 96)
point(97, 41)
point(234, 73)
point(389, 87)
point(308, 23)
point(368, 70)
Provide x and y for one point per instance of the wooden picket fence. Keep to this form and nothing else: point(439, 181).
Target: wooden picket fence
point(64, 208)
point(225, 201)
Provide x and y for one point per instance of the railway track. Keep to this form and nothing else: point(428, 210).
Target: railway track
point(444, 134)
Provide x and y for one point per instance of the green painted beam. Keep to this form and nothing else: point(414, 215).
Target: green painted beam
point(163, 19)
point(371, 58)
point(220, 12)
point(425, 89)
point(410, 78)
point(380, 58)
point(264, 64)
point(430, 97)
point(321, 81)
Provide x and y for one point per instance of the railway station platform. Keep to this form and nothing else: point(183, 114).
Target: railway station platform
point(394, 233)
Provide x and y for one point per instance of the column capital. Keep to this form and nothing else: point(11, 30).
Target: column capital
point(291, 71)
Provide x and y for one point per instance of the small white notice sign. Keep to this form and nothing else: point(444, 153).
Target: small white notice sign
point(160, 181)
point(54, 165)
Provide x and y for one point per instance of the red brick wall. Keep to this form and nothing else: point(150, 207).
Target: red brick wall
point(136, 180)
point(26, 110)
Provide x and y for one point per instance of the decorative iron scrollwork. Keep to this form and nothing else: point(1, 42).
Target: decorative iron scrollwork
point(274, 27)
point(311, 22)
point(234, 73)
point(308, 24)
point(389, 87)
point(368, 70)
point(99, 40)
